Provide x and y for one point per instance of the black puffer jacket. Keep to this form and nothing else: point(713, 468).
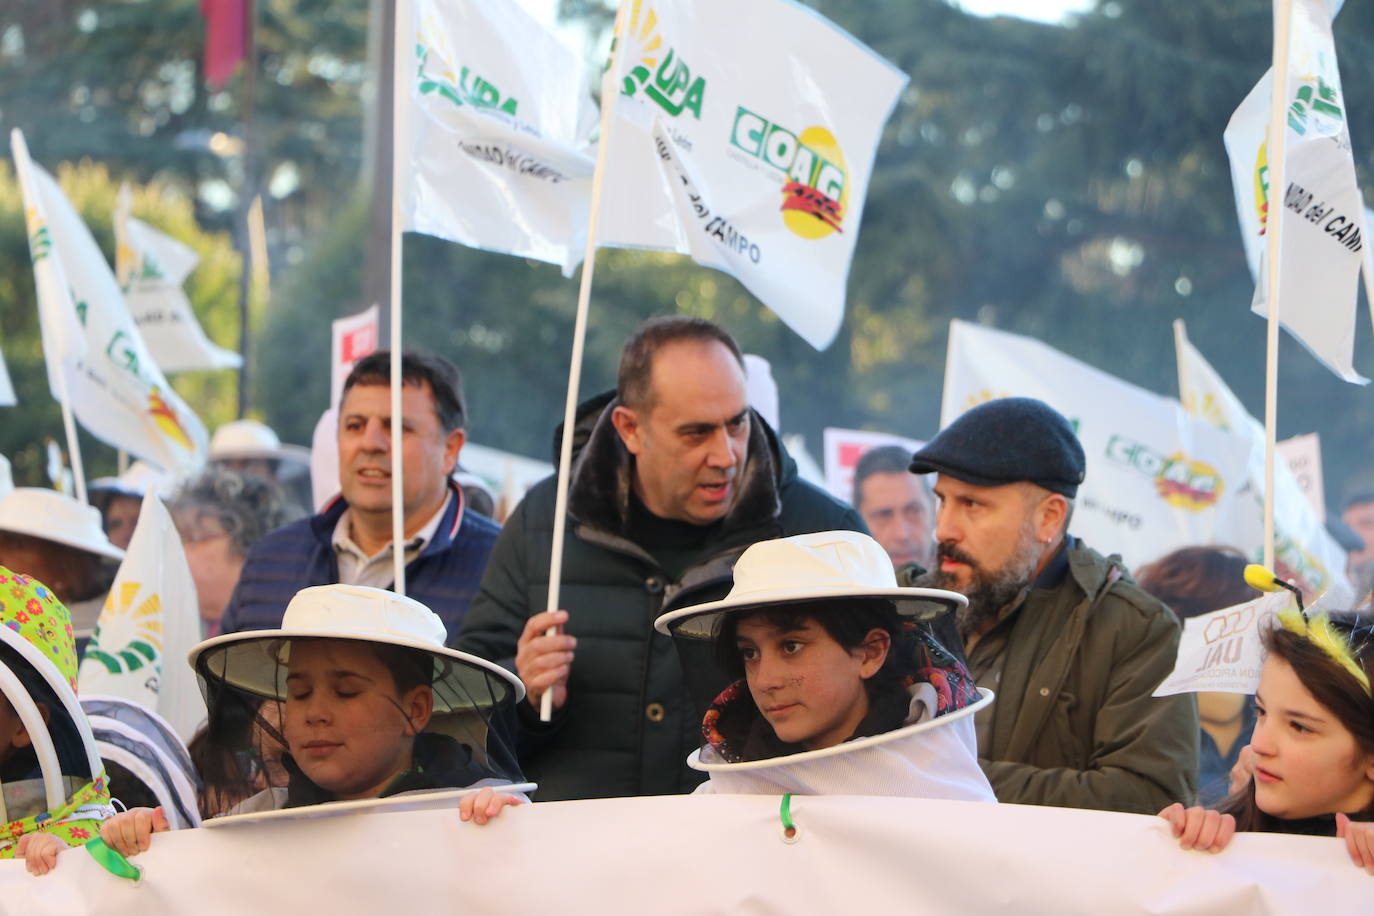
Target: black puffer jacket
point(628, 725)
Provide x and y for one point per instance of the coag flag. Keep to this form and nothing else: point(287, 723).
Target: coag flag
point(745, 136)
point(150, 621)
point(1304, 552)
point(499, 138)
point(1157, 479)
point(114, 387)
point(151, 267)
point(1319, 214)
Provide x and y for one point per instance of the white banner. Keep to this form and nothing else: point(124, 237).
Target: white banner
point(352, 338)
point(1157, 479)
point(1221, 652)
point(117, 391)
point(1304, 552)
point(7, 398)
point(152, 267)
point(149, 623)
point(708, 854)
point(746, 149)
point(1319, 214)
point(500, 128)
point(844, 447)
point(1303, 455)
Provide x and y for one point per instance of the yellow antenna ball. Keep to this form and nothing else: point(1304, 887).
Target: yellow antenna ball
point(1256, 576)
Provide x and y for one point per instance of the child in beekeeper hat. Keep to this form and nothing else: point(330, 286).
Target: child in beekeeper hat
point(840, 686)
point(53, 789)
point(360, 689)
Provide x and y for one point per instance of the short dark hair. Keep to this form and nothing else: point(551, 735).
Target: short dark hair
point(1197, 580)
point(417, 368)
point(634, 381)
point(1359, 498)
point(885, 459)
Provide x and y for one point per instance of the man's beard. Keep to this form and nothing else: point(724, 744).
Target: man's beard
point(988, 591)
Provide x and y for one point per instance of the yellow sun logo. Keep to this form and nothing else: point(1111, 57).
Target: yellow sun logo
point(140, 620)
point(641, 28)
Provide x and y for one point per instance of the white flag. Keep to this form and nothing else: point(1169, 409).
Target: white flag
point(152, 267)
point(1222, 652)
point(842, 449)
point(7, 398)
point(150, 621)
point(1156, 480)
point(351, 338)
point(1319, 214)
point(500, 127)
point(745, 137)
point(115, 389)
point(1303, 455)
point(1304, 552)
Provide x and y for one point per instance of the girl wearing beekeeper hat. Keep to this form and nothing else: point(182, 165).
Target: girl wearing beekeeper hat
point(362, 700)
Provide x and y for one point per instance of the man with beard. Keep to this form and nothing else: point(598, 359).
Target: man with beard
point(1072, 647)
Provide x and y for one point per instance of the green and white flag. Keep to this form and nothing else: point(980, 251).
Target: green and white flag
point(1319, 213)
point(115, 389)
point(745, 136)
point(150, 621)
point(498, 133)
point(152, 267)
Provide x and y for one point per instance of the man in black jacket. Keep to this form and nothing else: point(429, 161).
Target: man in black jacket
point(674, 477)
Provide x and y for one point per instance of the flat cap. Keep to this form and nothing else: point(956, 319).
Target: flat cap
point(1006, 441)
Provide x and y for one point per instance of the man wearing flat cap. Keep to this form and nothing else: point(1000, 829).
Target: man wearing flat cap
point(1069, 643)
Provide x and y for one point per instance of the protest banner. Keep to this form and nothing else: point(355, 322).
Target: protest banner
point(98, 365)
point(1304, 551)
point(498, 152)
point(751, 156)
point(151, 268)
point(709, 854)
point(351, 338)
point(1222, 651)
point(1157, 479)
point(148, 625)
point(844, 447)
point(1317, 217)
point(1303, 455)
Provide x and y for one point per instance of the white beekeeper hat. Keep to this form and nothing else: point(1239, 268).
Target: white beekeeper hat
point(51, 516)
point(810, 567)
point(249, 439)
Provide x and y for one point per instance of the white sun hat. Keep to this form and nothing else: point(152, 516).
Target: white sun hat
point(51, 516)
point(256, 660)
point(822, 566)
point(249, 439)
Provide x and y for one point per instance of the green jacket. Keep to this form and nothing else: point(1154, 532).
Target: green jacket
point(629, 723)
point(1074, 723)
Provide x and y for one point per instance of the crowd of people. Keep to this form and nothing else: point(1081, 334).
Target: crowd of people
point(724, 626)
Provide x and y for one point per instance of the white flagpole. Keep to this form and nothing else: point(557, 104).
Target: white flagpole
point(73, 445)
point(400, 89)
point(1181, 338)
point(610, 91)
point(1278, 107)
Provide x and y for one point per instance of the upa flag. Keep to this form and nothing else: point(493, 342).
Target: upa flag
point(90, 341)
point(1157, 479)
point(150, 621)
point(1304, 552)
point(151, 268)
point(744, 136)
point(500, 122)
point(1319, 213)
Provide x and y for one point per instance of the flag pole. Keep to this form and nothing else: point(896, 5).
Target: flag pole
point(610, 91)
point(1278, 104)
point(73, 444)
point(402, 77)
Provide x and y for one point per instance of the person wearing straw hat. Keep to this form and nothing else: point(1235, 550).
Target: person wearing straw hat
point(675, 476)
point(57, 540)
point(53, 788)
point(447, 544)
point(1072, 646)
point(371, 704)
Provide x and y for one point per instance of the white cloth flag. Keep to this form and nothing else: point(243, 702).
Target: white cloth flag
point(747, 150)
point(1304, 552)
point(151, 267)
point(115, 389)
point(499, 137)
point(1320, 212)
point(1157, 479)
point(150, 621)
